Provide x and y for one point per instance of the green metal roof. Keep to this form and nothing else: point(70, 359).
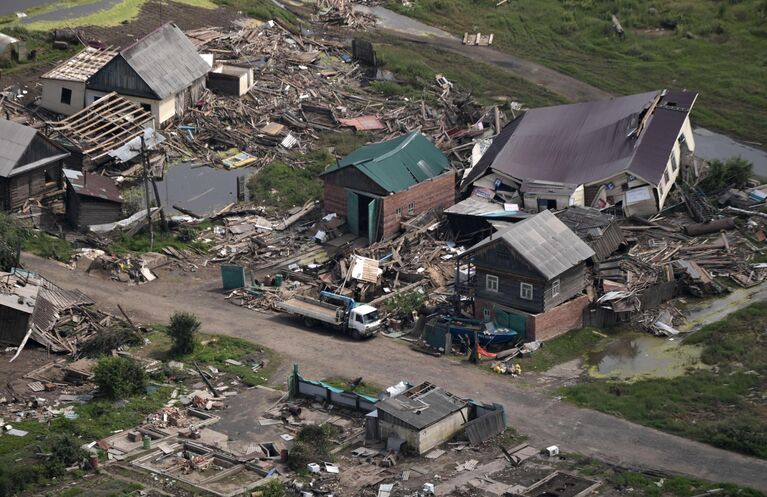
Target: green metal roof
point(397, 164)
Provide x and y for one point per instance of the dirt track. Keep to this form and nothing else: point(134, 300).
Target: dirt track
point(543, 418)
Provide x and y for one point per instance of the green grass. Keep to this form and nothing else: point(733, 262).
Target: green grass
point(141, 243)
point(415, 66)
point(722, 406)
point(283, 186)
point(369, 389)
point(725, 59)
point(675, 486)
point(567, 347)
point(127, 10)
point(35, 41)
point(44, 245)
point(263, 10)
point(214, 350)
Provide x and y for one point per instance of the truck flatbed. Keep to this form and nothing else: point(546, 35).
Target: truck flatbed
point(312, 308)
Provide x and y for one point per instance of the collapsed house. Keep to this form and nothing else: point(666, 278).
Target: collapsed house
point(161, 72)
point(91, 199)
point(64, 85)
point(620, 151)
point(528, 277)
point(599, 230)
point(30, 307)
point(30, 165)
point(380, 185)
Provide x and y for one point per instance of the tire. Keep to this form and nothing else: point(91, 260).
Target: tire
point(356, 334)
point(310, 322)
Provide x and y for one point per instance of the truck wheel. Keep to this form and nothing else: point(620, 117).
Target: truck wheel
point(310, 323)
point(356, 335)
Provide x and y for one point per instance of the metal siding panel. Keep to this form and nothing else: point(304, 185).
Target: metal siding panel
point(352, 212)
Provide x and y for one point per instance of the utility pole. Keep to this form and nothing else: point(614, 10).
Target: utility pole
point(145, 162)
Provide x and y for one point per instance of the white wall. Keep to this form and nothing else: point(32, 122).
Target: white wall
point(51, 98)
point(162, 110)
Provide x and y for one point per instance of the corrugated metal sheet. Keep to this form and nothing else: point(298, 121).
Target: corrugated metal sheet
point(397, 164)
point(93, 185)
point(14, 140)
point(166, 60)
point(545, 242)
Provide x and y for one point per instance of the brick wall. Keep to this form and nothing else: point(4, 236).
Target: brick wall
point(335, 199)
point(436, 193)
point(557, 321)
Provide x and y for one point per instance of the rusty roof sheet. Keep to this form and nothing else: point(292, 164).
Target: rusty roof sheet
point(93, 185)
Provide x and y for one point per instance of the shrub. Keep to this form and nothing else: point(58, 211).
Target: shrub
point(272, 488)
point(312, 444)
point(119, 377)
point(183, 326)
point(107, 341)
point(735, 171)
point(404, 304)
point(10, 237)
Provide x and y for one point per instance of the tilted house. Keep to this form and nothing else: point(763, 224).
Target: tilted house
point(91, 199)
point(423, 416)
point(64, 85)
point(522, 273)
point(162, 72)
point(380, 185)
point(30, 165)
point(625, 150)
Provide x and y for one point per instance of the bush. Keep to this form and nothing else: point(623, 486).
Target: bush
point(183, 326)
point(404, 304)
point(272, 488)
point(107, 341)
point(119, 377)
point(735, 171)
point(312, 444)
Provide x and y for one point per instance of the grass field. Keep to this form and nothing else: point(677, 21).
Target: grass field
point(722, 406)
point(567, 347)
point(718, 48)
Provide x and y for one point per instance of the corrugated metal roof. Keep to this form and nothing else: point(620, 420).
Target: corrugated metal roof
point(591, 141)
point(545, 242)
point(421, 410)
point(166, 60)
point(6, 40)
point(397, 164)
point(93, 185)
point(14, 140)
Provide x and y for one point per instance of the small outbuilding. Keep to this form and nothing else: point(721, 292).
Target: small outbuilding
point(162, 72)
point(30, 165)
point(91, 199)
point(64, 85)
point(9, 48)
point(599, 230)
point(423, 417)
point(230, 79)
point(379, 186)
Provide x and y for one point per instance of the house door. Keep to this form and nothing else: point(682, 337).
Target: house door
point(373, 211)
point(352, 212)
point(362, 215)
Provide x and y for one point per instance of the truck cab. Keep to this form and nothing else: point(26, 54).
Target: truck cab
point(364, 320)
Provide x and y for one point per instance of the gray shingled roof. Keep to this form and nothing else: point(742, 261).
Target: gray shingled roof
point(166, 60)
point(421, 410)
point(14, 140)
point(544, 242)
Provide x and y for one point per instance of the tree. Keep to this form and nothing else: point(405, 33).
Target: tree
point(10, 237)
point(119, 377)
point(183, 326)
point(735, 171)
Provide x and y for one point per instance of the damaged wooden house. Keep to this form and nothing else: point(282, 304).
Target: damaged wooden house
point(623, 151)
point(529, 277)
point(30, 165)
point(379, 186)
point(64, 85)
point(161, 72)
point(91, 199)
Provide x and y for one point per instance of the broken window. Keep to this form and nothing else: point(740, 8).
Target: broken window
point(146, 107)
point(674, 165)
point(49, 179)
point(526, 291)
point(665, 176)
point(66, 96)
point(555, 288)
point(491, 283)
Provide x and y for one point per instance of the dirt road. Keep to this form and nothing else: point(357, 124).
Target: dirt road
point(544, 419)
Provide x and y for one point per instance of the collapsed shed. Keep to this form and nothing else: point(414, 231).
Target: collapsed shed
point(600, 231)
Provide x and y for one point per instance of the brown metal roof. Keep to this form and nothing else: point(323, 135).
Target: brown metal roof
point(592, 141)
point(93, 185)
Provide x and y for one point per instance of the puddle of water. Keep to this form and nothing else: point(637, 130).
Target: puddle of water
point(199, 188)
point(72, 12)
point(713, 146)
point(638, 356)
point(700, 314)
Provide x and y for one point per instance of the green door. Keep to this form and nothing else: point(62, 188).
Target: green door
point(506, 319)
point(373, 209)
point(352, 212)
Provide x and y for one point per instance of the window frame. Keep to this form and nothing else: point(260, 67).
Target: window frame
point(523, 288)
point(68, 93)
point(398, 212)
point(496, 283)
point(486, 315)
point(556, 287)
point(411, 208)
